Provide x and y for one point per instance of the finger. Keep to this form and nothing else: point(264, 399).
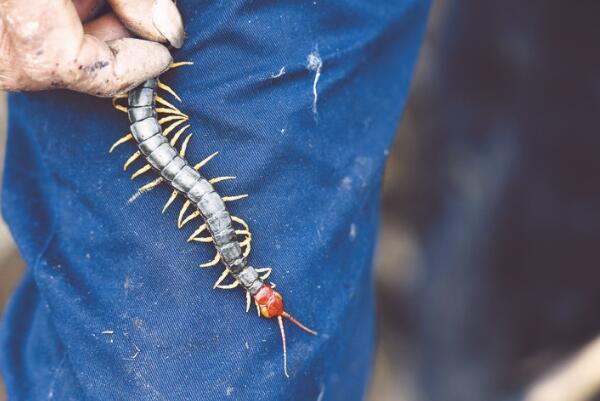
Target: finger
point(52, 51)
point(8, 75)
point(32, 24)
point(107, 69)
point(157, 20)
point(28, 59)
point(88, 9)
point(106, 28)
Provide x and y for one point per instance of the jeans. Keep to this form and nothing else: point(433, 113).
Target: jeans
point(301, 99)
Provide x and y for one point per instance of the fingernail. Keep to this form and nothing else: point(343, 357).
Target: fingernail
point(167, 21)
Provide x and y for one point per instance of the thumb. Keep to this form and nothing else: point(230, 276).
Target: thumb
point(108, 68)
point(157, 20)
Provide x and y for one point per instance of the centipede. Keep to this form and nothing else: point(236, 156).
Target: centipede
point(159, 130)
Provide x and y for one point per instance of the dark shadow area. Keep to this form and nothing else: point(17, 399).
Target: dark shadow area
point(491, 191)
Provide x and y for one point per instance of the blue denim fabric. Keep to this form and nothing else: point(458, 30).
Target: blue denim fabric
point(114, 306)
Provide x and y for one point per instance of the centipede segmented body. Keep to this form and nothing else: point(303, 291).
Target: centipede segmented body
point(144, 107)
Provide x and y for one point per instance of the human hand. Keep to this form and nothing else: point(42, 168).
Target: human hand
point(45, 44)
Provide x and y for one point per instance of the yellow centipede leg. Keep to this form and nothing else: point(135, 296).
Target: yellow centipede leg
point(234, 198)
point(191, 217)
point(197, 232)
point(167, 119)
point(146, 188)
point(240, 221)
point(170, 201)
point(221, 278)
point(171, 127)
point(141, 171)
point(121, 141)
point(203, 239)
point(178, 134)
point(184, 145)
point(267, 272)
point(168, 89)
point(167, 104)
point(248, 301)
point(131, 160)
point(247, 245)
point(203, 162)
point(246, 240)
point(149, 186)
point(231, 286)
point(165, 110)
point(118, 106)
point(219, 179)
point(184, 209)
point(179, 64)
point(212, 262)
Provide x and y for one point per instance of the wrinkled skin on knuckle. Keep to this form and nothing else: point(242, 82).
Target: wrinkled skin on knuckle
point(26, 66)
point(36, 54)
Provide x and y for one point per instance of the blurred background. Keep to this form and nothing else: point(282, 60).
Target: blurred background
point(487, 274)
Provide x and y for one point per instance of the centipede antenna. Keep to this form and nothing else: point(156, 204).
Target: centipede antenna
point(297, 323)
point(180, 64)
point(282, 331)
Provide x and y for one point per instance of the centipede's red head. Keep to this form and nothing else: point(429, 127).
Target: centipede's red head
point(269, 302)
